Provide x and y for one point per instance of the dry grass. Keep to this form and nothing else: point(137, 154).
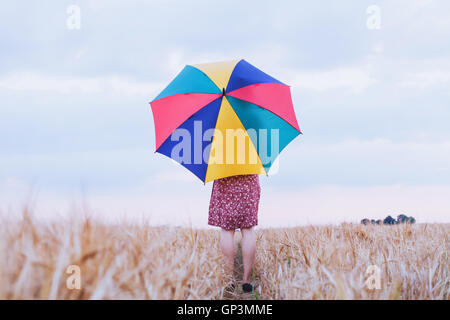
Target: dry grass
point(138, 261)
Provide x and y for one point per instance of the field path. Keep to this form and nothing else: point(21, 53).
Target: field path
point(238, 294)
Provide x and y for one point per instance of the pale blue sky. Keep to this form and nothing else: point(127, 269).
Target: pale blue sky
point(374, 105)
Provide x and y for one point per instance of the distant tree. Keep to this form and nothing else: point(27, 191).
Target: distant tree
point(411, 220)
point(389, 220)
point(405, 219)
point(401, 218)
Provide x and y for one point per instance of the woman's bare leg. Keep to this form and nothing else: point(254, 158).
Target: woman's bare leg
point(248, 244)
point(227, 246)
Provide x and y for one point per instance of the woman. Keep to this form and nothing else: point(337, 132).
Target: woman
point(234, 205)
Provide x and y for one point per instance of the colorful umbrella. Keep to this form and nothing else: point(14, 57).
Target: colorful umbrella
point(223, 119)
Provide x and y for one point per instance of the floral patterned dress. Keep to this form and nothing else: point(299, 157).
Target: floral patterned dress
point(234, 202)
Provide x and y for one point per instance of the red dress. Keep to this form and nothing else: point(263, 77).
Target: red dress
point(234, 202)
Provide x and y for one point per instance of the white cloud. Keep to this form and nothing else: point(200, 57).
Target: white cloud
point(423, 73)
point(386, 145)
point(352, 79)
point(12, 185)
point(425, 79)
point(175, 61)
point(176, 175)
point(385, 153)
point(79, 54)
point(31, 81)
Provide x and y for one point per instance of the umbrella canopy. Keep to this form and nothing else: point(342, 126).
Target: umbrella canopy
point(223, 119)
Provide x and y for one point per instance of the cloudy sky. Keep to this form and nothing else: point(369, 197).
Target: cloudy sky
point(370, 84)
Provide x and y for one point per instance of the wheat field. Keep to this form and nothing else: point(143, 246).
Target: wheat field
point(140, 261)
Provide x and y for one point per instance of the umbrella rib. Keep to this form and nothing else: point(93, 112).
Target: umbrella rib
point(212, 79)
point(279, 152)
point(270, 112)
point(212, 143)
point(248, 136)
point(190, 115)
